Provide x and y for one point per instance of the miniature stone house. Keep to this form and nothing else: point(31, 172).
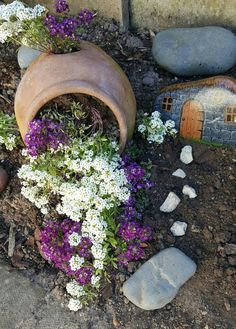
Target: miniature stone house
point(202, 110)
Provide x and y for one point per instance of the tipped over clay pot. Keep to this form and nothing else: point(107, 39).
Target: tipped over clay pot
point(89, 71)
point(3, 179)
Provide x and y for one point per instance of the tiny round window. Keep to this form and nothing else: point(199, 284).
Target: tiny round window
point(230, 114)
point(167, 104)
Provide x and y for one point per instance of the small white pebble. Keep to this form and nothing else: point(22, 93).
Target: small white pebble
point(170, 203)
point(179, 228)
point(189, 191)
point(179, 173)
point(186, 155)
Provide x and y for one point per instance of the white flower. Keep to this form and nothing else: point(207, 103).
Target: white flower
point(76, 262)
point(7, 11)
point(154, 130)
point(74, 239)
point(74, 289)
point(141, 128)
point(98, 264)
point(8, 30)
point(95, 281)
point(17, 9)
point(74, 304)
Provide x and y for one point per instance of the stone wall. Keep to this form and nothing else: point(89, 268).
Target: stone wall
point(162, 14)
point(159, 14)
point(117, 9)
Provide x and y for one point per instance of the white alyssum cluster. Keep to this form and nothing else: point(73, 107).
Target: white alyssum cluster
point(74, 239)
point(13, 17)
point(102, 184)
point(17, 9)
point(75, 304)
point(8, 141)
point(76, 262)
point(92, 183)
point(153, 128)
point(38, 186)
point(77, 291)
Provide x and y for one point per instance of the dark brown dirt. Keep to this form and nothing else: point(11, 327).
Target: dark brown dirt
point(208, 300)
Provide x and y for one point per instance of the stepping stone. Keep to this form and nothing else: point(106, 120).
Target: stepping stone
point(157, 282)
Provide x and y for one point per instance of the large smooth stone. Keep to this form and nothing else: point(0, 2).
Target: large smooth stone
point(157, 282)
point(195, 51)
point(26, 55)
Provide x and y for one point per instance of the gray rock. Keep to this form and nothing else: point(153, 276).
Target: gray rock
point(195, 51)
point(179, 228)
point(170, 203)
point(189, 191)
point(157, 282)
point(230, 249)
point(179, 173)
point(148, 81)
point(26, 56)
point(134, 42)
point(186, 155)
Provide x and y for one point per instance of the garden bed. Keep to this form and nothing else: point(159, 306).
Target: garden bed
point(207, 301)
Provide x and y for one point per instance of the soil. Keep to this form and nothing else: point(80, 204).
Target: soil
point(208, 299)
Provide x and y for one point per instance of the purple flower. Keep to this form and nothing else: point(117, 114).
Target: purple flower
point(129, 231)
point(134, 252)
point(84, 248)
point(145, 234)
point(61, 6)
point(83, 275)
point(43, 135)
point(55, 245)
point(85, 16)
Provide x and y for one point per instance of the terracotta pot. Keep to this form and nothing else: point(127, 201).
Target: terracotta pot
point(89, 71)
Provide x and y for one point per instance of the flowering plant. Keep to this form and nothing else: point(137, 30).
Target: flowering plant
point(96, 193)
point(154, 129)
point(9, 135)
point(36, 28)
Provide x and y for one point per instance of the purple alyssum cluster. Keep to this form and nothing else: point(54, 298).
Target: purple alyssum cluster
point(62, 6)
point(65, 26)
point(131, 230)
point(137, 179)
point(134, 234)
point(44, 134)
point(56, 248)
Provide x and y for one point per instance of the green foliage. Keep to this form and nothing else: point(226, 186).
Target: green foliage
point(9, 135)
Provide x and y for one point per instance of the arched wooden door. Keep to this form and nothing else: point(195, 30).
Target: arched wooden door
point(192, 119)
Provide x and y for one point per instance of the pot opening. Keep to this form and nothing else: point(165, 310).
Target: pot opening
point(88, 113)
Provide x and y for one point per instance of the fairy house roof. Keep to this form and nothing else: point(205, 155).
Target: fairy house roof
point(219, 81)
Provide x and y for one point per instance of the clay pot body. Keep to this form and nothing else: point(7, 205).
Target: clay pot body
point(89, 71)
point(3, 179)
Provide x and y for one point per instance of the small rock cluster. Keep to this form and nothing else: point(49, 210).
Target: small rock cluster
point(157, 282)
point(172, 200)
